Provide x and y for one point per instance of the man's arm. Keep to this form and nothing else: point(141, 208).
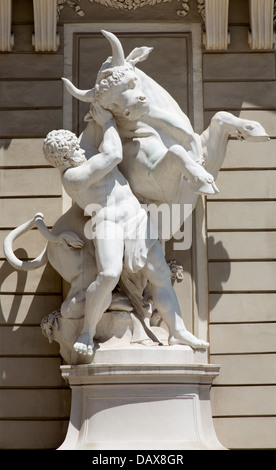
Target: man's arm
point(101, 164)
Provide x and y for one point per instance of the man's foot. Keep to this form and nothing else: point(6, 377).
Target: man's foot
point(186, 338)
point(84, 344)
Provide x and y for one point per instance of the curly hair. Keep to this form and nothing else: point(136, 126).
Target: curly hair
point(108, 78)
point(59, 144)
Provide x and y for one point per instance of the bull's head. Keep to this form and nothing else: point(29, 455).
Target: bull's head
point(117, 88)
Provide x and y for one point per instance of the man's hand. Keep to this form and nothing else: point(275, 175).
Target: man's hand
point(70, 241)
point(101, 115)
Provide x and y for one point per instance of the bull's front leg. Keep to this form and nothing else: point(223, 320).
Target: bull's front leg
point(201, 182)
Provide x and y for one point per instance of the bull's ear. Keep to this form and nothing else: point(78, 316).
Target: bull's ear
point(138, 54)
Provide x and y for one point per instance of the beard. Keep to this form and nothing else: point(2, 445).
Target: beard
point(77, 161)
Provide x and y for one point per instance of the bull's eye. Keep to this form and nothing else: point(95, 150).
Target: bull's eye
point(131, 84)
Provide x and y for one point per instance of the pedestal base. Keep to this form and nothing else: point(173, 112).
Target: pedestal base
point(142, 398)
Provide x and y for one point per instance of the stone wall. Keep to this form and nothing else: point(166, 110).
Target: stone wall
point(35, 402)
point(241, 228)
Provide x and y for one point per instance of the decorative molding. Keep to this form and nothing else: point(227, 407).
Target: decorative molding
point(118, 4)
point(45, 37)
point(177, 271)
point(6, 38)
point(124, 5)
point(215, 16)
point(185, 8)
point(75, 6)
point(262, 19)
point(201, 8)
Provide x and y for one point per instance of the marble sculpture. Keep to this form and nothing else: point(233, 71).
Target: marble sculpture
point(138, 148)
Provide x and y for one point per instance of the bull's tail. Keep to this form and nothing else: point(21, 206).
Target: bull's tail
point(41, 260)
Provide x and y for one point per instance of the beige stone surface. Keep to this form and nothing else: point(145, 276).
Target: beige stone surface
point(28, 94)
point(30, 122)
point(245, 307)
point(243, 433)
point(245, 369)
point(240, 215)
point(39, 404)
point(31, 242)
point(37, 182)
point(22, 153)
point(243, 400)
point(110, 399)
point(25, 340)
point(239, 36)
point(241, 245)
point(231, 66)
point(22, 66)
point(31, 372)
point(31, 104)
point(242, 276)
point(32, 435)
point(242, 338)
point(240, 95)
point(42, 280)
point(264, 117)
point(12, 217)
point(27, 309)
point(241, 184)
point(250, 155)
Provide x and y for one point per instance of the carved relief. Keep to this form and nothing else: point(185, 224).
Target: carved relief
point(125, 5)
point(185, 8)
point(201, 8)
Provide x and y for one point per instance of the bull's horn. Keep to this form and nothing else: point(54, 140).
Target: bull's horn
point(118, 56)
point(82, 95)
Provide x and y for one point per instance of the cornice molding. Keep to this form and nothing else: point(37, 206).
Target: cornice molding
point(262, 20)
point(6, 38)
point(214, 14)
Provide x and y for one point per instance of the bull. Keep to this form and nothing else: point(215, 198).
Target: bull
point(164, 159)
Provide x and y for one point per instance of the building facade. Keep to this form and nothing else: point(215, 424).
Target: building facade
point(211, 55)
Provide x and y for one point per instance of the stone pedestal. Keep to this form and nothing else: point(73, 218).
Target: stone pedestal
point(142, 398)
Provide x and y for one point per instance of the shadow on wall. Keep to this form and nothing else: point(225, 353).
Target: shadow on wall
point(26, 297)
point(5, 143)
point(6, 271)
point(222, 255)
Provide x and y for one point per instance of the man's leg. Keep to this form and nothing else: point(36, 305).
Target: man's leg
point(165, 300)
point(109, 257)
